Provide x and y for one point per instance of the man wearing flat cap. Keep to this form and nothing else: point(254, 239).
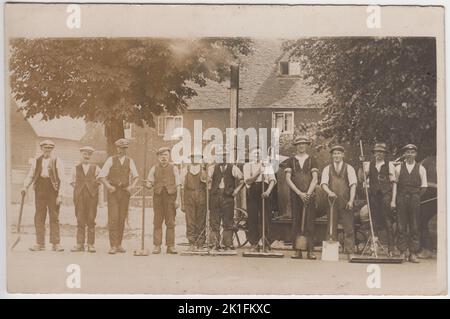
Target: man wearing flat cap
point(339, 182)
point(302, 176)
point(411, 184)
point(164, 178)
point(85, 198)
point(119, 175)
point(381, 176)
point(194, 198)
point(226, 181)
point(47, 175)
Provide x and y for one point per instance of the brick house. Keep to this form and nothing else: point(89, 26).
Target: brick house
point(272, 94)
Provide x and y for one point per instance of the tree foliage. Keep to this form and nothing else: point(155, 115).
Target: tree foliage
point(375, 89)
point(114, 80)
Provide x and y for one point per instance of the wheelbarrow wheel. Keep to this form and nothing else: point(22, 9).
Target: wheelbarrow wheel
point(240, 230)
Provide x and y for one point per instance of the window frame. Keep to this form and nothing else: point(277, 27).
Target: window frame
point(162, 121)
point(292, 113)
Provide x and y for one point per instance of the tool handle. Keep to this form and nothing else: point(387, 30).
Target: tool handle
point(22, 202)
point(331, 201)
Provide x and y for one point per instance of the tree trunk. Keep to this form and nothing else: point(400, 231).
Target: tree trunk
point(113, 131)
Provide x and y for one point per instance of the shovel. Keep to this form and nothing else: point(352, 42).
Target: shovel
point(22, 201)
point(330, 248)
point(301, 243)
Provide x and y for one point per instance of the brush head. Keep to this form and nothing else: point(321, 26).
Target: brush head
point(141, 252)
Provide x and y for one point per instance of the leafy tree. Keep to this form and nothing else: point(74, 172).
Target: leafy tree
point(376, 89)
point(115, 80)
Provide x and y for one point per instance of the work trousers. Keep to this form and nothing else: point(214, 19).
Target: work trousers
point(408, 210)
point(195, 210)
point(118, 202)
point(222, 213)
point(345, 217)
point(380, 207)
point(164, 211)
point(255, 214)
point(45, 201)
point(86, 212)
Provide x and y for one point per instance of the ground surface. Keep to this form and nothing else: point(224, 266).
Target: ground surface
point(45, 272)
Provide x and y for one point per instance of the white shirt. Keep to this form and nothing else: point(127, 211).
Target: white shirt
point(351, 174)
point(253, 168)
point(104, 172)
point(409, 168)
point(44, 172)
point(235, 171)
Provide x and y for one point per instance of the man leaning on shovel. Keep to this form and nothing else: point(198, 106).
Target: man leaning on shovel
point(339, 182)
point(47, 175)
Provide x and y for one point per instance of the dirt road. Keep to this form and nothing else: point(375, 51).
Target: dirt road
point(45, 272)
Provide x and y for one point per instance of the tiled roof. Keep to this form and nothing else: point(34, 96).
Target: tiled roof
point(260, 83)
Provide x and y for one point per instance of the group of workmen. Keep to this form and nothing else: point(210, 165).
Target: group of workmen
point(390, 187)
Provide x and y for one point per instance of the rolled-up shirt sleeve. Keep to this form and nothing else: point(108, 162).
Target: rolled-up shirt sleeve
point(237, 173)
point(104, 172)
point(176, 173)
point(392, 177)
point(151, 175)
point(423, 176)
point(133, 171)
point(351, 174)
point(269, 174)
point(325, 175)
point(62, 176)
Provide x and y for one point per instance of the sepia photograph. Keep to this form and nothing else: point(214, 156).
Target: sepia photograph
point(202, 159)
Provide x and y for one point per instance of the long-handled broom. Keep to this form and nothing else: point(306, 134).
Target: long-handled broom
point(142, 251)
point(373, 241)
point(205, 230)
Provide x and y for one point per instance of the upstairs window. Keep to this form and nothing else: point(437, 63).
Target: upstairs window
point(284, 121)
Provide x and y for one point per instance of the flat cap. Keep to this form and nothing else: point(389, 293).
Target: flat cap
point(302, 139)
point(123, 142)
point(379, 147)
point(409, 147)
point(47, 143)
point(337, 148)
point(87, 149)
point(162, 150)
